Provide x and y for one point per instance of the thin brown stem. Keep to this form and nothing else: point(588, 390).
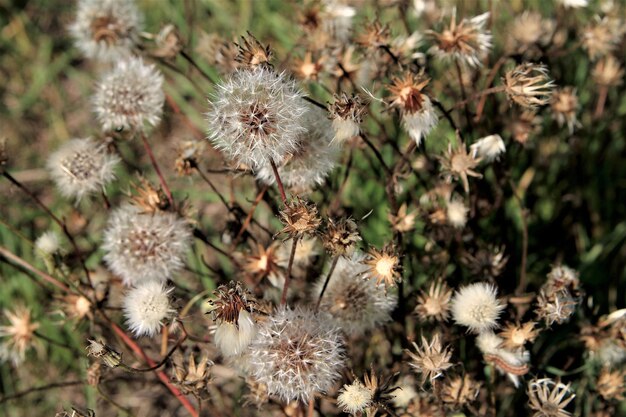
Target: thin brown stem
point(162, 361)
point(292, 255)
point(210, 183)
point(39, 389)
point(521, 287)
point(484, 93)
point(153, 160)
point(376, 152)
point(311, 408)
point(249, 217)
point(281, 189)
point(459, 73)
point(492, 75)
point(193, 63)
point(23, 264)
point(602, 94)
point(330, 273)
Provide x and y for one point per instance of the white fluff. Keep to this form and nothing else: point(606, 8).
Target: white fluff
point(145, 308)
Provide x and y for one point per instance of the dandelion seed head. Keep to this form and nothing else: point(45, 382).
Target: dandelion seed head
point(488, 148)
point(354, 398)
point(476, 307)
point(81, 167)
point(146, 307)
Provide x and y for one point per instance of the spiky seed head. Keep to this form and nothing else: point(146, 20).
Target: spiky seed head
point(17, 336)
point(515, 336)
point(146, 307)
point(548, 398)
point(143, 247)
point(296, 354)
point(106, 30)
point(346, 113)
point(355, 303)
point(354, 398)
point(299, 218)
point(147, 197)
point(430, 359)
point(341, 236)
point(528, 85)
point(457, 163)
point(129, 97)
point(262, 262)
point(384, 266)
point(468, 41)
point(403, 221)
point(312, 160)
point(434, 304)
point(601, 37)
point(192, 377)
point(256, 117)
point(189, 153)
point(488, 148)
point(81, 167)
point(608, 72)
point(555, 306)
point(458, 391)
point(252, 53)
point(476, 307)
point(231, 310)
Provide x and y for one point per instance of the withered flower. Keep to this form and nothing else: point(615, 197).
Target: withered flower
point(341, 236)
point(307, 68)
point(253, 53)
point(300, 218)
point(383, 265)
point(192, 378)
point(404, 221)
point(169, 42)
point(457, 163)
point(376, 35)
point(459, 391)
point(515, 336)
point(264, 262)
point(147, 197)
point(346, 113)
point(549, 398)
point(564, 105)
point(528, 85)
point(98, 349)
point(611, 384)
point(608, 72)
point(431, 358)
point(434, 304)
point(189, 152)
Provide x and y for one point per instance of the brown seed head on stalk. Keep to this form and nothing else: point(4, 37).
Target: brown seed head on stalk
point(431, 358)
point(375, 35)
point(384, 265)
point(407, 92)
point(169, 42)
point(608, 72)
point(459, 391)
point(564, 105)
point(264, 262)
point(109, 356)
point(434, 304)
point(341, 236)
point(308, 68)
point(528, 85)
point(147, 197)
point(189, 152)
point(253, 53)
point(300, 218)
point(192, 378)
point(404, 221)
point(457, 163)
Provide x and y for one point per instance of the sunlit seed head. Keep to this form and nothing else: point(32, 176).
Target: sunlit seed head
point(488, 148)
point(146, 307)
point(17, 336)
point(476, 307)
point(354, 398)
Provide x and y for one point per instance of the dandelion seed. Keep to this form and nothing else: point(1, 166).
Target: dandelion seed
point(130, 97)
point(355, 304)
point(146, 307)
point(476, 307)
point(296, 354)
point(488, 148)
point(256, 116)
point(106, 30)
point(81, 167)
point(142, 247)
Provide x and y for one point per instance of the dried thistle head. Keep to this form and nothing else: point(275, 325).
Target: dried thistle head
point(218, 52)
point(384, 265)
point(346, 113)
point(308, 68)
point(468, 41)
point(564, 105)
point(434, 304)
point(98, 349)
point(382, 388)
point(189, 152)
point(17, 336)
point(528, 85)
point(147, 197)
point(457, 163)
point(556, 307)
point(403, 221)
point(192, 378)
point(458, 391)
point(375, 35)
point(608, 72)
point(515, 336)
point(611, 384)
point(253, 53)
point(431, 358)
point(548, 398)
point(300, 218)
point(341, 236)
point(524, 125)
point(526, 31)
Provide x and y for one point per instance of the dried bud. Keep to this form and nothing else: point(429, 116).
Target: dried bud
point(252, 53)
point(459, 391)
point(341, 237)
point(430, 359)
point(192, 378)
point(148, 198)
point(189, 152)
point(110, 357)
point(564, 106)
point(376, 35)
point(528, 85)
point(300, 218)
point(168, 42)
point(434, 304)
point(346, 113)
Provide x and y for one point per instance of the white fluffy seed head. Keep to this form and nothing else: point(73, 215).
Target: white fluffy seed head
point(419, 124)
point(354, 398)
point(476, 307)
point(456, 213)
point(296, 354)
point(145, 308)
point(352, 298)
point(345, 129)
point(48, 244)
point(106, 30)
point(488, 148)
point(232, 339)
point(130, 97)
point(256, 117)
point(142, 247)
point(81, 167)
point(313, 159)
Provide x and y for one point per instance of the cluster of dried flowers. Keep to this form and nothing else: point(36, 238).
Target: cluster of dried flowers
point(307, 315)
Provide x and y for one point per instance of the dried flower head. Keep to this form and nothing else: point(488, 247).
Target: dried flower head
point(468, 41)
point(143, 247)
point(189, 153)
point(611, 384)
point(488, 148)
point(168, 42)
point(192, 378)
point(555, 306)
point(476, 307)
point(384, 266)
point(354, 398)
point(515, 336)
point(608, 72)
point(352, 298)
point(299, 218)
point(308, 68)
point(146, 307)
point(418, 113)
point(431, 358)
point(404, 221)
point(564, 105)
point(106, 30)
point(457, 163)
point(253, 53)
point(81, 167)
point(263, 262)
point(98, 349)
point(600, 38)
point(256, 117)
point(18, 336)
point(129, 97)
point(341, 236)
point(434, 304)
point(524, 125)
point(147, 197)
point(296, 354)
point(528, 85)
point(548, 398)
point(458, 391)
point(218, 52)
point(375, 35)
point(346, 113)
point(527, 30)
point(313, 158)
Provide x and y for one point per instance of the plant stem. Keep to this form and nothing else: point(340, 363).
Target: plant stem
point(283, 298)
point(281, 189)
point(463, 95)
point(166, 189)
point(330, 273)
point(376, 152)
point(193, 63)
point(23, 264)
